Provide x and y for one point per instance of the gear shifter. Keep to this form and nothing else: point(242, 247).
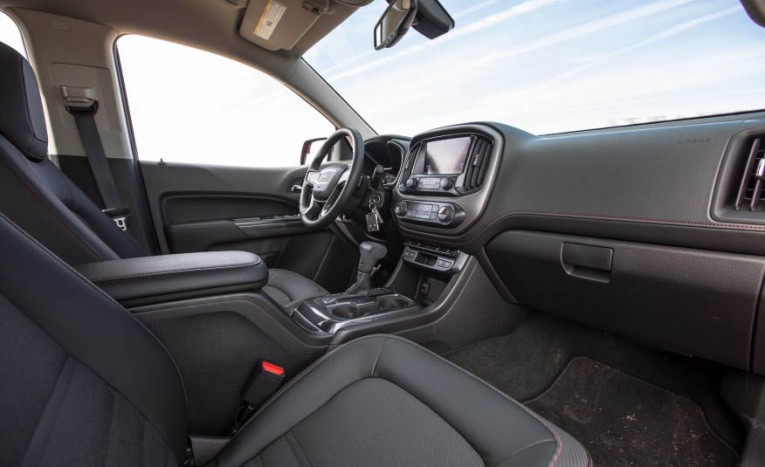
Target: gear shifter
point(370, 254)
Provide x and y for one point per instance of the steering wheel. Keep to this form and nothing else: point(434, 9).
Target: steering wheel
point(327, 190)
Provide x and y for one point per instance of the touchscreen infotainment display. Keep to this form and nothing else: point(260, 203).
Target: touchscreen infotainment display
point(446, 156)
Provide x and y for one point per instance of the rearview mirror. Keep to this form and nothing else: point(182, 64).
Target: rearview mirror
point(394, 23)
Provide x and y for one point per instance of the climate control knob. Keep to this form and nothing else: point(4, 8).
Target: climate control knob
point(401, 209)
point(446, 214)
point(411, 183)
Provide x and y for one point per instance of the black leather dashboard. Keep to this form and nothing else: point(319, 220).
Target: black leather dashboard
point(648, 183)
point(672, 263)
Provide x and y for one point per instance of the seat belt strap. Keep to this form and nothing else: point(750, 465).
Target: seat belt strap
point(83, 105)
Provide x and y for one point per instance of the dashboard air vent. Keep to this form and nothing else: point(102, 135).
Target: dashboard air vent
point(406, 170)
point(750, 192)
point(479, 162)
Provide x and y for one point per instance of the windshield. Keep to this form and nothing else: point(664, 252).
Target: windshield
point(550, 66)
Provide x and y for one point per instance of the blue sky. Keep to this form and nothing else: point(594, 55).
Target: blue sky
point(552, 65)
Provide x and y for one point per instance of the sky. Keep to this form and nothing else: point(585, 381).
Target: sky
point(550, 66)
point(544, 66)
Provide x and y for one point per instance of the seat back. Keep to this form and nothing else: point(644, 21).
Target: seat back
point(82, 382)
point(34, 193)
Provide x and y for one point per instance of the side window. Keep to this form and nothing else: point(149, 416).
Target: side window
point(10, 34)
point(192, 106)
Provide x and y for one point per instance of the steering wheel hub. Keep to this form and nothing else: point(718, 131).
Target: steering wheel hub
point(327, 181)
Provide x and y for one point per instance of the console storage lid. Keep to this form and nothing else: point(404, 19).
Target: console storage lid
point(156, 279)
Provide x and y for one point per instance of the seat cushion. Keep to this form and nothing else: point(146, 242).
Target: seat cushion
point(382, 400)
point(289, 289)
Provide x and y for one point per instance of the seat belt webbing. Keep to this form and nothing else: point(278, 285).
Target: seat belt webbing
point(84, 109)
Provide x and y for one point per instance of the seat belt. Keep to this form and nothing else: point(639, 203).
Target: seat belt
point(82, 103)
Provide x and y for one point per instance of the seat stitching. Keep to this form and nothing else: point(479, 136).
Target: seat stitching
point(112, 418)
point(291, 438)
point(377, 360)
point(514, 453)
point(26, 103)
point(53, 391)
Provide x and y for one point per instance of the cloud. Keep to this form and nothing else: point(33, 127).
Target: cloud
point(582, 30)
point(663, 35)
point(525, 7)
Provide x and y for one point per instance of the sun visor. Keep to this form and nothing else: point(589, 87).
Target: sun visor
point(293, 25)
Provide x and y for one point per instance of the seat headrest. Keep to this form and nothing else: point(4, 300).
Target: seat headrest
point(22, 120)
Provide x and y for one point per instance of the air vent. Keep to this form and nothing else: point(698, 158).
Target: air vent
point(406, 171)
point(479, 162)
point(751, 193)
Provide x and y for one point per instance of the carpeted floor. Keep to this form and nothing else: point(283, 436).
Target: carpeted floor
point(629, 405)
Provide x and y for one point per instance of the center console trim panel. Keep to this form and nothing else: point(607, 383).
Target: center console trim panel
point(468, 207)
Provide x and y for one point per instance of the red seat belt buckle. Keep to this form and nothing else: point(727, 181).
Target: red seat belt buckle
point(263, 383)
point(272, 369)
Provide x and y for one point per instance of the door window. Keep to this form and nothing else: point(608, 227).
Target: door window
point(10, 34)
point(191, 106)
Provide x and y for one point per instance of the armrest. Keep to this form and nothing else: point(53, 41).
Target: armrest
point(155, 279)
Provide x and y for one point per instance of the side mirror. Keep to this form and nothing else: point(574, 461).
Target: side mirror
point(394, 23)
point(309, 149)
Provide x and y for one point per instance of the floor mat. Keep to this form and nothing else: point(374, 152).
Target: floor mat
point(622, 420)
point(526, 362)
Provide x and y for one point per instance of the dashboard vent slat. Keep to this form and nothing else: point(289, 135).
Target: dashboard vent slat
point(406, 171)
point(750, 191)
point(479, 162)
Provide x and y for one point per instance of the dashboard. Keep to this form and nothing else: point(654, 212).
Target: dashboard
point(652, 231)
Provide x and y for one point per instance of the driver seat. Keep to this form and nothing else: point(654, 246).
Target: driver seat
point(42, 200)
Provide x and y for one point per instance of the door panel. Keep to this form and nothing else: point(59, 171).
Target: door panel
point(213, 208)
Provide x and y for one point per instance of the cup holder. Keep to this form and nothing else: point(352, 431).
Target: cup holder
point(346, 311)
point(393, 302)
point(357, 307)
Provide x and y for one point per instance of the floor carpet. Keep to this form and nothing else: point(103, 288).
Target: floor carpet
point(623, 420)
point(636, 406)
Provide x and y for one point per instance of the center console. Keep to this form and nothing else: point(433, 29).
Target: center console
point(331, 313)
point(446, 179)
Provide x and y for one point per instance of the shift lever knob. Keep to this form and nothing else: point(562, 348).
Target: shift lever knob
point(370, 253)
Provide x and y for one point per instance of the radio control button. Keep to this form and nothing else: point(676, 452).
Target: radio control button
point(446, 214)
point(444, 264)
point(411, 183)
point(446, 183)
point(401, 209)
